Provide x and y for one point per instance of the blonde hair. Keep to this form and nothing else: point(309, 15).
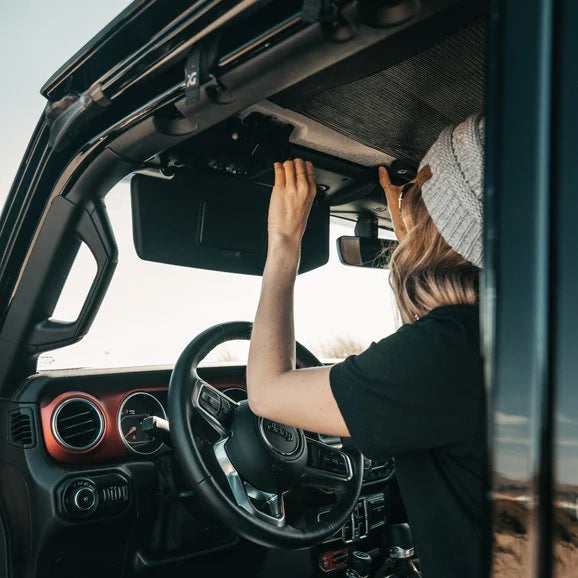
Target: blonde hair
point(425, 271)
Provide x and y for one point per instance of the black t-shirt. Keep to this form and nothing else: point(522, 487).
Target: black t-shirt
point(418, 396)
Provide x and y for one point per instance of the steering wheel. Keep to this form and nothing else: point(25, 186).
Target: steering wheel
point(240, 465)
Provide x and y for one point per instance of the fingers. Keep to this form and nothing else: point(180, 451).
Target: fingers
point(296, 173)
point(311, 177)
point(392, 198)
point(289, 168)
point(299, 166)
point(300, 171)
point(391, 191)
point(304, 172)
point(384, 179)
point(291, 200)
point(279, 175)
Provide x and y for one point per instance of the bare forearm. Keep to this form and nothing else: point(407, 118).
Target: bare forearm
point(272, 350)
point(301, 398)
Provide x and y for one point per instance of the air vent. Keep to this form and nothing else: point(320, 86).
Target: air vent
point(21, 428)
point(78, 424)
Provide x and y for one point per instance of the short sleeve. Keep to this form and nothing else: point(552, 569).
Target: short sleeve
point(418, 389)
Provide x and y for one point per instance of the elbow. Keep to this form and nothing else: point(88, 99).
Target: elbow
point(263, 394)
point(257, 403)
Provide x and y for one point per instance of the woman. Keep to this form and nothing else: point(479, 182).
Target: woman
point(417, 394)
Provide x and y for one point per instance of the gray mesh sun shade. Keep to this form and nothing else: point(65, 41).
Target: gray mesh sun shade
point(400, 111)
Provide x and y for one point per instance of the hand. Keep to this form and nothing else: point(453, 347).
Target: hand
point(392, 193)
point(291, 201)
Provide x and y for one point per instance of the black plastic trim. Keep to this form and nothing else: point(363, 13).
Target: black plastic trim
point(4, 551)
point(139, 37)
point(28, 326)
point(516, 281)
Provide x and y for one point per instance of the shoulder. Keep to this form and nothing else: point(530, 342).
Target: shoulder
point(445, 334)
point(453, 326)
point(420, 388)
point(457, 316)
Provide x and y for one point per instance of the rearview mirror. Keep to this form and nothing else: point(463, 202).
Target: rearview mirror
point(366, 251)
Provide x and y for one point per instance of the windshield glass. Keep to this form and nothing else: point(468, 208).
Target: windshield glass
point(151, 310)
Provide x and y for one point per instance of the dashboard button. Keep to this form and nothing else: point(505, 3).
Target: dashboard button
point(98, 496)
point(84, 499)
point(81, 498)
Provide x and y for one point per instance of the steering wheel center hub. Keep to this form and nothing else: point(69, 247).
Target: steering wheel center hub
point(269, 455)
point(283, 439)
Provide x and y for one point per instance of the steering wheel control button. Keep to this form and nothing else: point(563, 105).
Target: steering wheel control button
point(210, 401)
point(280, 438)
point(328, 460)
point(226, 407)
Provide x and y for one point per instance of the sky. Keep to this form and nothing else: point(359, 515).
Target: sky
point(37, 38)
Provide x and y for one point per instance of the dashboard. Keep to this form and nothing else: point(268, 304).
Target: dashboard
point(95, 474)
point(80, 427)
point(106, 425)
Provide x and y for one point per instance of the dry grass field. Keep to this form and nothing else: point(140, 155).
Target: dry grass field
point(513, 539)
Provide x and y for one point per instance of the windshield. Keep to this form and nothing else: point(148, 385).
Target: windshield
point(151, 310)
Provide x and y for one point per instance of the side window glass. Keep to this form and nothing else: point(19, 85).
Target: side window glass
point(77, 286)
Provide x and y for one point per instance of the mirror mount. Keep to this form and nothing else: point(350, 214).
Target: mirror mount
point(366, 226)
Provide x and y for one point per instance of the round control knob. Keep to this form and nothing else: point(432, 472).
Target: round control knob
point(83, 499)
point(361, 562)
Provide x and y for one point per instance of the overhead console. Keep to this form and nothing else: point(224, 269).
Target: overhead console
point(236, 158)
point(204, 204)
point(246, 146)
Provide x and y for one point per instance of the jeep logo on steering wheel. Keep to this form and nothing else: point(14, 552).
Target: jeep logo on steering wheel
point(279, 430)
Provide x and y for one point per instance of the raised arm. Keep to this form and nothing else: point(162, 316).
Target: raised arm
point(296, 397)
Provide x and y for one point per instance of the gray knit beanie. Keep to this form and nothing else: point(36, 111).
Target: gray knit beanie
point(453, 194)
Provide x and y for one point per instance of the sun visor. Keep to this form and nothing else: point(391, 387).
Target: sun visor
point(215, 222)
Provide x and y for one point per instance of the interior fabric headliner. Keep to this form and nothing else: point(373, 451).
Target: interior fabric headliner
point(401, 111)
